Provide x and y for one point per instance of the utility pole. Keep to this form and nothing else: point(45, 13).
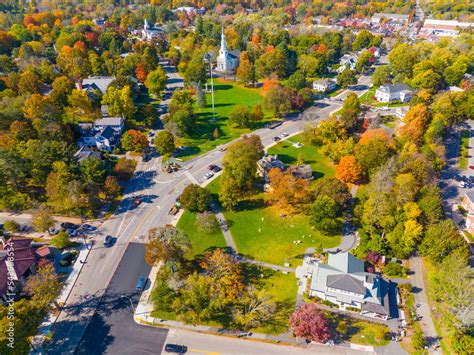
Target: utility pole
point(207, 57)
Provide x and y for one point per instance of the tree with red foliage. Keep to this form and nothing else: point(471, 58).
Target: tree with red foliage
point(310, 323)
point(134, 141)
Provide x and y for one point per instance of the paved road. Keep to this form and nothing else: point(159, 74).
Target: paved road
point(159, 192)
point(112, 329)
point(199, 344)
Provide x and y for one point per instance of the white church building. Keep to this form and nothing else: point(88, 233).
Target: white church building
point(227, 61)
point(150, 32)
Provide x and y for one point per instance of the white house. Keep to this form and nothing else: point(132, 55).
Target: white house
point(396, 92)
point(344, 282)
point(116, 123)
point(227, 61)
point(348, 61)
point(324, 85)
point(94, 83)
point(150, 32)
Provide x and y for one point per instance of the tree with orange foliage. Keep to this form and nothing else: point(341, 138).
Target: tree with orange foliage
point(270, 83)
point(141, 73)
point(288, 192)
point(348, 170)
point(225, 272)
point(256, 39)
point(415, 121)
point(370, 134)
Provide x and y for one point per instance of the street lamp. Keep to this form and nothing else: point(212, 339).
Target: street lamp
point(207, 58)
point(131, 303)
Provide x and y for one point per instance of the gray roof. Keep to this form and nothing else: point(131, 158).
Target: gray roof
point(470, 195)
point(108, 133)
point(346, 263)
point(394, 88)
point(323, 81)
point(109, 121)
point(84, 153)
point(97, 83)
point(346, 283)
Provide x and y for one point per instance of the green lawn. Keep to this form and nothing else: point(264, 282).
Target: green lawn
point(227, 94)
point(367, 333)
point(200, 242)
point(260, 233)
point(282, 288)
point(367, 98)
point(288, 154)
point(464, 150)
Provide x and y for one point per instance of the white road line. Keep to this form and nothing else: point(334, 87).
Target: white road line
point(191, 177)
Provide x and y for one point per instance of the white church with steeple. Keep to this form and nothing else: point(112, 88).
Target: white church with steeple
point(227, 61)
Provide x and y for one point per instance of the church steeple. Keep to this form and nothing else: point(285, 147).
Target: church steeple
point(223, 42)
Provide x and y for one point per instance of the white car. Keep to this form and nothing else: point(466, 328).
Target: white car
point(208, 176)
point(284, 134)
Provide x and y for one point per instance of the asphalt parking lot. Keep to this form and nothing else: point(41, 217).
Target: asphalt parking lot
point(112, 329)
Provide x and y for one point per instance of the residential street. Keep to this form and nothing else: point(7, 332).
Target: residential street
point(131, 224)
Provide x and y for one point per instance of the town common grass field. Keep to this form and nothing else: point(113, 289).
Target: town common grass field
point(200, 241)
point(289, 155)
point(227, 94)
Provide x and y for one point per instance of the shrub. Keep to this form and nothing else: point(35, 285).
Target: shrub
point(395, 270)
point(61, 241)
point(11, 226)
point(207, 222)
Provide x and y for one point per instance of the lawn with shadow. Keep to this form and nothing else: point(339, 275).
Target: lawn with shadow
point(227, 94)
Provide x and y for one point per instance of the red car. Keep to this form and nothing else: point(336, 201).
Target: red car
point(136, 202)
point(471, 167)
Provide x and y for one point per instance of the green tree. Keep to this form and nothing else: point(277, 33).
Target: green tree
point(62, 87)
point(44, 286)
point(196, 69)
point(80, 107)
point(324, 215)
point(271, 62)
point(156, 80)
point(119, 101)
point(164, 143)
point(417, 340)
point(381, 75)
point(43, 220)
point(92, 171)
point(297, 80)
point(402, 59)
point(364, 62)
point(372, 155)
point(441, 240)
point(239, 116)
point(240, 168)
point(134, 141)
point(124, 168)
point(256, 114)
point(428, 80)
point(346, 78)
point(195, 198)
point(162, 295)
point(278, 100)
point(196, 303)
point(333, 188)
point(363, 40)
point(246, 70)
point(29, 83)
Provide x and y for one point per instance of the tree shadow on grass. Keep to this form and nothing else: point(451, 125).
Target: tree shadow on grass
point(251, 204)
point(187, 151)
point(287, 159)
point(218, 87)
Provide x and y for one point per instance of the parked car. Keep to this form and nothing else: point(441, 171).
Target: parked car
point(214, 168)
point(53, 231)
point(67, 225)
point(222, 149)
point(141, 283)
point(276, 139)
point(136, 202)
point(175, 348)
point(108, 241)
point(71, 232)
point(208, 176)
point(284, 134)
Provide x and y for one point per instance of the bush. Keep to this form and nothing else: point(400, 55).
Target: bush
point(417, 340)
point(61, 241)
point(125, 168)
point(395, 270)
point(11, 226)
point(207, 222)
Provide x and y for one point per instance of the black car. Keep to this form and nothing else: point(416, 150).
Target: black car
point(175, 348)
point(67, 225)
point(276, 139)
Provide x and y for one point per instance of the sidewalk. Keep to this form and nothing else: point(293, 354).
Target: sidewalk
point(45, 326)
